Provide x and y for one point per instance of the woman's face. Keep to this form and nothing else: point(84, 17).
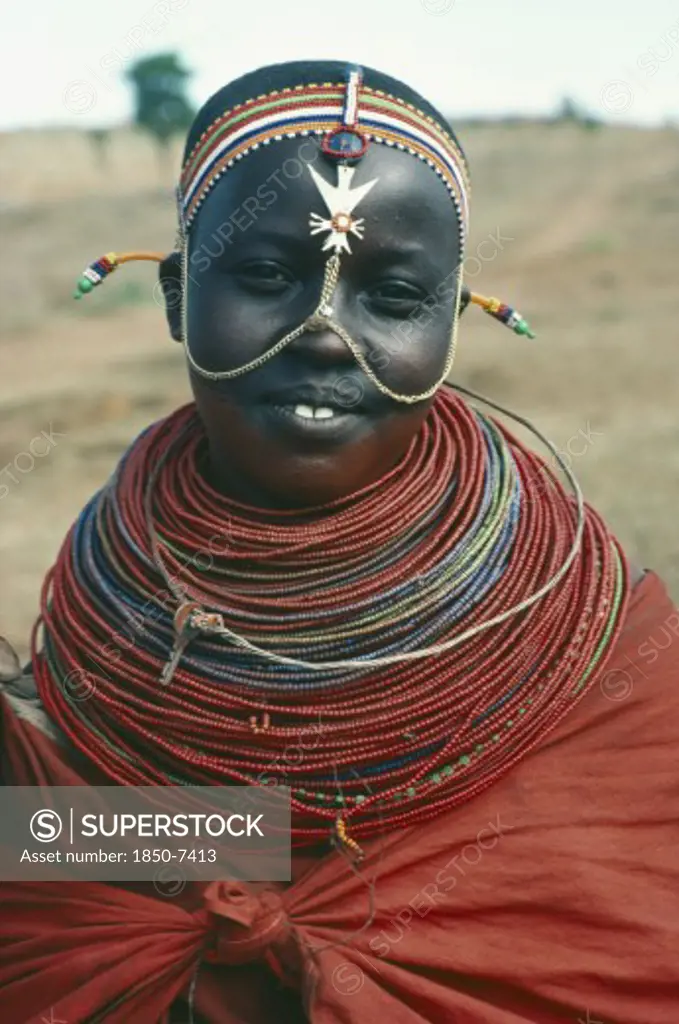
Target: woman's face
point(255, 274)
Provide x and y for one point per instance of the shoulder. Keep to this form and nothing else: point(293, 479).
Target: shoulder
point(10, 666)
point(13, 680)
point(636, 574)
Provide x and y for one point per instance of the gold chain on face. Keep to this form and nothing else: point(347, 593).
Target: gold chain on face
point(320, 319)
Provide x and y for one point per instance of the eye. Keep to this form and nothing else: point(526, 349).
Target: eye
point(395, 298)
point(264, 276)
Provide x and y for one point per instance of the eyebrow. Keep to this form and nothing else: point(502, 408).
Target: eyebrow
point(407, 249)
point(281, 238)
point(405, 253)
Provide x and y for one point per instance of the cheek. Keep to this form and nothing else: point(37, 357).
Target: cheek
point(224, 330)
point(414, 354)
point(230, 432)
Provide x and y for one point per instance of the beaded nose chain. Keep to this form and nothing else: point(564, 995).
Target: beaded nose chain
point(345, 146)
point(247, 128)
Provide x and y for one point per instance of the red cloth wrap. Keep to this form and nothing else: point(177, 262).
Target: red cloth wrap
point(552, 897)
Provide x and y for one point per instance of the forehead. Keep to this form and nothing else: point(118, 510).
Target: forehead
point(274, 187)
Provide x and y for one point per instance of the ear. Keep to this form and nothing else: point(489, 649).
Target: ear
point(171, 285)
point(465, 299)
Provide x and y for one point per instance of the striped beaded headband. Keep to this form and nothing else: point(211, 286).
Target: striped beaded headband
point(319, 110)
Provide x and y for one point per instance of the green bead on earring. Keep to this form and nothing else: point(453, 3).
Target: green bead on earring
point(83, 286)
point(523, 328)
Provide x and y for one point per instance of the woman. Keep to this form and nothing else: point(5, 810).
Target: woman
point(334, 552)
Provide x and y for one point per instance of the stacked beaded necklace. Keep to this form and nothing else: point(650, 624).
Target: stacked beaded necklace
point(468, 525)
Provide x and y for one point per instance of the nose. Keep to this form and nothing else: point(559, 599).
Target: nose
point(322, 345)
point(322, 340)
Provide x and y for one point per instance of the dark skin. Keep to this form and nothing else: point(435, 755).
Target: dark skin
point(256, 274)
point(250, 287)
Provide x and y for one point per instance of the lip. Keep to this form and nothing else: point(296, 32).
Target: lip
point(344, 426)
point(344, 400)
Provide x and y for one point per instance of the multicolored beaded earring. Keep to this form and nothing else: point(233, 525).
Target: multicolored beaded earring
point(105, 265)
point(507, 315)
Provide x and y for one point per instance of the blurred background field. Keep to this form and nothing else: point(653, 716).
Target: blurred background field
point(589, 229)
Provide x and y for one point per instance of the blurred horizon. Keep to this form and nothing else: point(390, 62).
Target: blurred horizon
point(63, 66)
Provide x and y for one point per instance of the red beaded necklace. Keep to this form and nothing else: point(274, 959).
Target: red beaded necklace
point(467, 527)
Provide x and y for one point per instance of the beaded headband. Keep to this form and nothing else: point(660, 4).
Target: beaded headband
point(329, 111)
point(347, 118)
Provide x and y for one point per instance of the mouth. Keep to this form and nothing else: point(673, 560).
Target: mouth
point(322, 424)
point(310, 412)
point(318, 413)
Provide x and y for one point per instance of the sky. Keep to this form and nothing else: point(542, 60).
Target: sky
point(62, 62)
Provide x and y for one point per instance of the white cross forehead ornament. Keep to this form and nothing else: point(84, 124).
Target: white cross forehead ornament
point(341, 200)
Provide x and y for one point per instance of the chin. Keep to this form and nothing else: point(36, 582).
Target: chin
point(295, 469)
point(309, 482)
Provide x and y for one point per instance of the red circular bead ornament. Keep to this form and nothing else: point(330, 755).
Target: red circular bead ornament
point(345, 143)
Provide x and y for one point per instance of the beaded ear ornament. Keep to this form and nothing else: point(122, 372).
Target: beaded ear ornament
point(103, 267)
point(346, 118)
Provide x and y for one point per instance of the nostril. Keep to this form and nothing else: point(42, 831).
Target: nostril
point(321, 342)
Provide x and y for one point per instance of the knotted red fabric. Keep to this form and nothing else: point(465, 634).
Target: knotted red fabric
point(259, 925)
point(552, 897)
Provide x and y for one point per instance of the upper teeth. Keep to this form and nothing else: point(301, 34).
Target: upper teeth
point(307, 412)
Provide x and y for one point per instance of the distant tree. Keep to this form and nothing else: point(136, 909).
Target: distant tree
point(571, 112)
point(100, 139)
point(161, 106)
point(568, 110)
point(592, 124)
